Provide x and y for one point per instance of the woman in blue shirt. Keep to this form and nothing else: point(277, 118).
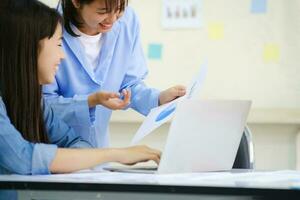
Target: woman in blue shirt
point(32, 139)
point(103, 53)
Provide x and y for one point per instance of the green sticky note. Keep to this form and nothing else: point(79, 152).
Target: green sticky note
point(155, 51)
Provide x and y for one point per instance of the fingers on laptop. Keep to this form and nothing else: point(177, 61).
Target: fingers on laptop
point(150, 154)
point(136, 154)
point(153, 154)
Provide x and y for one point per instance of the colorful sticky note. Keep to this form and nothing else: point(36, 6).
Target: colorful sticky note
point(259, 6)
point(155, 51)
point(216, 31)
point(271, 53)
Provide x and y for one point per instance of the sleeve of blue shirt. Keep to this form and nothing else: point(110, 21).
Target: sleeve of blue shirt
point(60, 133)
point(143, 98)
point(22, 157)
point(73, 110)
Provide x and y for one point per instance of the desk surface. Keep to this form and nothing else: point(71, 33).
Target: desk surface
point(229, 183)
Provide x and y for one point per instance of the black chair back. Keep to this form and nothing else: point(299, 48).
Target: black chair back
point(244, 158)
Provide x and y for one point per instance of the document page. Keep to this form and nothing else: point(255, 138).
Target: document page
point(164, 113)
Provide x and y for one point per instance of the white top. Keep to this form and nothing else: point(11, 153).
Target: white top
point(91, 45)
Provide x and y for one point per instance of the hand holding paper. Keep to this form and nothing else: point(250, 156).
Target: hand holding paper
point(171, 94)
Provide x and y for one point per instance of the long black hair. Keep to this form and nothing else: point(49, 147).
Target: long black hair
point(71, 15)
point(23, 23)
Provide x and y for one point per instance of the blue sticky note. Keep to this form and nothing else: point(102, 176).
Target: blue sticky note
point(259, 6)
point(155, 51)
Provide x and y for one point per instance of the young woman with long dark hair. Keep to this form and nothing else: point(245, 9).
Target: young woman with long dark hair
point(32, 139)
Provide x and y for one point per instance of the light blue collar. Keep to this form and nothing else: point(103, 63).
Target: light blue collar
point(108, 47)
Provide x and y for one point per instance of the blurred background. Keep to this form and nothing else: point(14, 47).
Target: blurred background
point(251, 47)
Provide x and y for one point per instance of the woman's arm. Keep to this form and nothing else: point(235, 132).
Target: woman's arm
point(70, 160)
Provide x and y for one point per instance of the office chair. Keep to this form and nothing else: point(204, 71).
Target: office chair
point(245, 155)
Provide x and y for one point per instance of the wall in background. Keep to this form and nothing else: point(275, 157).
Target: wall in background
point(254, 58)
point(51, 3)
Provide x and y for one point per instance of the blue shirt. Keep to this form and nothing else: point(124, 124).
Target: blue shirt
point(121, 65)
point(18, 156)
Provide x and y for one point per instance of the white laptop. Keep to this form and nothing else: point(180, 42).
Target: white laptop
point(204, 136)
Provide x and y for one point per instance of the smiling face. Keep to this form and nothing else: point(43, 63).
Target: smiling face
point(50, 56)
point(96, 18)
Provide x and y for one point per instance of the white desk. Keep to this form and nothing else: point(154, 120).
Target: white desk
point(106, 185)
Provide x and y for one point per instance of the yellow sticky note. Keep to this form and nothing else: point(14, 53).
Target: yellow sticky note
point(271, 53)
point(216, 31)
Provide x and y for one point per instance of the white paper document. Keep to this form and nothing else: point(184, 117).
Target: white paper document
point(164, 113)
